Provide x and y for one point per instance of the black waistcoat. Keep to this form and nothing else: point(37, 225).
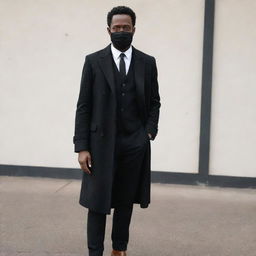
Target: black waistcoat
point(128, 119)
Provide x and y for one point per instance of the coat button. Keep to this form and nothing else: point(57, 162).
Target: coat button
point(101, 134)
point(123, 93)
point(123, 84)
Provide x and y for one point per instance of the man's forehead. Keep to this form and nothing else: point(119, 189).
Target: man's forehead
point(121, 18)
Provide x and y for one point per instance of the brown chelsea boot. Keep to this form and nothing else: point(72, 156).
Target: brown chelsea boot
point(118, 253)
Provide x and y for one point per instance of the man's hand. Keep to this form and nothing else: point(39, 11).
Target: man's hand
point(84, 159)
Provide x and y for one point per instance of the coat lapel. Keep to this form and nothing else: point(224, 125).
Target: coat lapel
point(139, 75)
point(107, 67)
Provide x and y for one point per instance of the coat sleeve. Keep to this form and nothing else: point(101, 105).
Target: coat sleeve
point(154, 110)
point(83, 110)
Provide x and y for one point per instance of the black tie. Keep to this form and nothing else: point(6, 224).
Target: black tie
point(122, 65)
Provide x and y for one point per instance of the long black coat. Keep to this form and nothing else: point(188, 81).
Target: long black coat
point(95, 124)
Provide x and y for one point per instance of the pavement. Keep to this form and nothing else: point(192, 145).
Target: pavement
point(42, 217)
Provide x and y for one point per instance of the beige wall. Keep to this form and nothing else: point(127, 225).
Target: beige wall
point(43, 44)
point(233, 140)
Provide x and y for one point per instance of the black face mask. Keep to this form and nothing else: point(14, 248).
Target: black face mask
point(121, 40)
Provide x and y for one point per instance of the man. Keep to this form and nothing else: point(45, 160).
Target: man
point(116, 117)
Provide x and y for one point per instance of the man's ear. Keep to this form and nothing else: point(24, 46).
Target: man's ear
point(108, 29)
point(133, 30)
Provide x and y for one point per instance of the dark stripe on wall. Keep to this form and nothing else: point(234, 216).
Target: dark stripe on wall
point(156, 177)
point(197, 179)
point(205, 120)
point(40, 171)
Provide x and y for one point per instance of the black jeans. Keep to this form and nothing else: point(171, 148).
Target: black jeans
point(96, 224)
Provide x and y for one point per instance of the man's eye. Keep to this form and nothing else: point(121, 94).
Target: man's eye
point(116, 28)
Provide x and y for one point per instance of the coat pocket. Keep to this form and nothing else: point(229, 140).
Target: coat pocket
point(93, 127)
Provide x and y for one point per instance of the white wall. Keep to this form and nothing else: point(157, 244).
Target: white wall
point(233, 124)
point(43, 45)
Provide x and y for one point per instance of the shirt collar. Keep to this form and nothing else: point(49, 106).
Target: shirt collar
point(116, 53)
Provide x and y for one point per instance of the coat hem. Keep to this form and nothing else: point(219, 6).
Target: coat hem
point(142, 205)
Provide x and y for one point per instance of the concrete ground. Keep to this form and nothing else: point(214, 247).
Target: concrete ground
point(42, 216)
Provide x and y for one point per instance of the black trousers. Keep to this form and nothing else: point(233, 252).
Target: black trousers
point(129, 153)
point(96, 223)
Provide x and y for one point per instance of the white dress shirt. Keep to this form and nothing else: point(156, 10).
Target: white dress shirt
point(127, 59)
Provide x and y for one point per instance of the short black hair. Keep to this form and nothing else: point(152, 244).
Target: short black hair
point(121, 10)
